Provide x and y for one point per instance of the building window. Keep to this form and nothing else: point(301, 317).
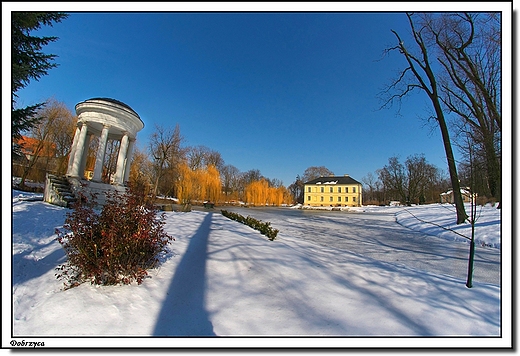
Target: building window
point(353, 198)
point(308, 198)
point(321, 198)
point(331, 189)
point(322, 189)
point(353, 189)
point(339, 189)
point(346, 189)
point(346, 198)
point(309, 189)
point(339, 198)
point(331, 199)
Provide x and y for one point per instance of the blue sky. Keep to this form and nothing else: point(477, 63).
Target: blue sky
point(278, 92)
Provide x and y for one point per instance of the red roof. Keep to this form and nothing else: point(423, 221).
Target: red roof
point(29, 145)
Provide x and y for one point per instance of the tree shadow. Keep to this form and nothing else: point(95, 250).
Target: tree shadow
point(35, 225)
point(25, 268)
point(183, 311)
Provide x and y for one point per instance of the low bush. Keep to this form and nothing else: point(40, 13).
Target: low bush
point(116, 245)
point(264, 227)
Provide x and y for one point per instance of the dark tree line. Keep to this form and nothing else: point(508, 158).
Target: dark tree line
point(413, 182)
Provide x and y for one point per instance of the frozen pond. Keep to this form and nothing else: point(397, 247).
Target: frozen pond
point(377, 235)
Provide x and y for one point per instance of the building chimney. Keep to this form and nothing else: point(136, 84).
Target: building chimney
point(346, 175)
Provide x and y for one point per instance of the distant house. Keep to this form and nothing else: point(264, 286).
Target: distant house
point(29, 145)
point(333, 191)
point(447, 197)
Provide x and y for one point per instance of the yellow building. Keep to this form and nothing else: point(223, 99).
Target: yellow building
point(333, 191)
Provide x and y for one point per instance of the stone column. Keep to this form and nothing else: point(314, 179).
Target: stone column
point(120, 168)
point(128, 163)
point(73, 150)
point(84, 157)
point(100, 154)
point(78, 154)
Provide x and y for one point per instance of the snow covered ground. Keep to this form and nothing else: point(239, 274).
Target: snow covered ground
point(222, 278)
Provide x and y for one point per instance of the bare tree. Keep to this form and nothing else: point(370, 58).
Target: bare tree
point(251, 176)
point(369, 181)
point(165, 149)
point(55, 121)
point(141, 172)
point(62, 138)
point(275, 182)
point(296, 190)
point(214, 158)
point(316, 172)
point(420, 175)
point(419, 75)
point(416, 181)
point(383, 188)
point(470, 49)
point(393, 176)
point(230, 177)
point(110, 161)
point(472, 220)
point(245, 179)
point(474, 174)
point(201, 157)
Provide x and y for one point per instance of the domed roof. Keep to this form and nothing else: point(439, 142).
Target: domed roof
point(114, 101)
point(108, 111)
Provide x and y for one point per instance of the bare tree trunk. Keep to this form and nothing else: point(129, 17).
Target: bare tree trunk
point(493, 168)
point(455, 184)
point(426, 81)
point(471, 48)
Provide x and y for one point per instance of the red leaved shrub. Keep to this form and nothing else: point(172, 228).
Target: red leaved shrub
point(116, 245)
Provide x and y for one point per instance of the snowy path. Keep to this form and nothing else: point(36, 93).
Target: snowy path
point(290, 287)
point(223, 278)
point(378, 236)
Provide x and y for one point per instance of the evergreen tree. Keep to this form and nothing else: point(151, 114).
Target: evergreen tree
point(28, 62)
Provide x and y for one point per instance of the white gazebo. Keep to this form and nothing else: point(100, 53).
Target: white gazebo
point(107, 119)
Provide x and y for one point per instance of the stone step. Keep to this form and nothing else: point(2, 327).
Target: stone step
point(58, 179)
point(62, 186)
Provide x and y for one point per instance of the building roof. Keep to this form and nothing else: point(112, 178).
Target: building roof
point(115, 102)
point(28, 145)
point(109, 101)
point(465, 191)
point(334, 180)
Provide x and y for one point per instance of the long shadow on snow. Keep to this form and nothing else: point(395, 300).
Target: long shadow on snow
point(26, 268)
point(38, 228)
point(183, 312)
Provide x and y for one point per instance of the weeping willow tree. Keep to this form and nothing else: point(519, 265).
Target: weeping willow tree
point(202, 184)
point(185, 188)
